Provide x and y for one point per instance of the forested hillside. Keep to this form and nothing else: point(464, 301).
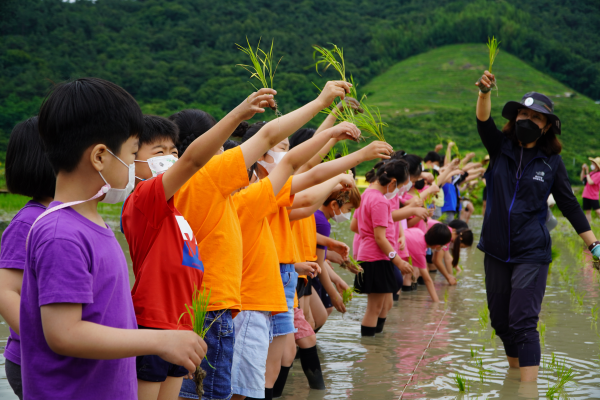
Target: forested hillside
point(175, 54)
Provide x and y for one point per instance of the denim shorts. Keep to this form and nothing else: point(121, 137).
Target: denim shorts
point(283, 323)
point(253, 333)
point(219, 339)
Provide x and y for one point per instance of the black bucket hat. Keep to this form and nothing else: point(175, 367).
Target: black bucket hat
point(534, 101)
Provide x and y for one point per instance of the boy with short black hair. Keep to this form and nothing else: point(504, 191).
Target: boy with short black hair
point(77, 321)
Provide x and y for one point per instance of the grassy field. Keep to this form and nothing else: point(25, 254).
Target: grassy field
point(432, 96)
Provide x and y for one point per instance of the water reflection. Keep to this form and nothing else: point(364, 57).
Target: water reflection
point(380, 367)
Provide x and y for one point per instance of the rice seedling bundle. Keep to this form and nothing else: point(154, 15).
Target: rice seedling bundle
point(347, 294)
point(329, 156)
point(370, 121)
point(261, 67)
point(197, 313)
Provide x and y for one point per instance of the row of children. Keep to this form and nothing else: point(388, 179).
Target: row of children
point(239, 223)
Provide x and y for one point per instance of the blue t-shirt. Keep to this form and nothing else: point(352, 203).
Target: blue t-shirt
point(450, 198)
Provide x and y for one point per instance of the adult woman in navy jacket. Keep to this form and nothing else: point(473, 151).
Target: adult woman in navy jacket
point(525, 167)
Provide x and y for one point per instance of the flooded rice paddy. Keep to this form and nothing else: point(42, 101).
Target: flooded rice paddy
point(424, 345)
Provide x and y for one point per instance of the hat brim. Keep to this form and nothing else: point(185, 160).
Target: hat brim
point(511, 110)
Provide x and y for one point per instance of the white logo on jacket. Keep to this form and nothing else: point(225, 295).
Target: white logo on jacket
point(539, 176)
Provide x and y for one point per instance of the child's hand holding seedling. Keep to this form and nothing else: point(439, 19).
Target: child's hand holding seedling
point(376, 149)
point(255, 104)
point(332, 90)
point(352, 103)
point(341, 248)
point(183, 348)
point(343, 131)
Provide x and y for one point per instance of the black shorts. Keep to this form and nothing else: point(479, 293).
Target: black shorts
point(155, 369)
point(304, 287)
point(589, 204)
point(321, 292)
point(378, 277)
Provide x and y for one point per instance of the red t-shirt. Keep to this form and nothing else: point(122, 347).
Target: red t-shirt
point(166, 260)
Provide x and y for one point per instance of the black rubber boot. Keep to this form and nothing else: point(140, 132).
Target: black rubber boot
point(420, 280)
point(268, 394)
point(367, 330)
point(380, 325)
point(395, 296)
point(281, 380)
point(407, 288)
point(311, 365)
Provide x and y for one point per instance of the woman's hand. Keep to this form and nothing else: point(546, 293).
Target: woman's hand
point(334, 257)
point(402, 265)
point(486, 82)
point(352, 103)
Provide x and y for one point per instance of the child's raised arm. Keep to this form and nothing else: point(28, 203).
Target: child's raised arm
point(67, 335)
point(300, 154)
point(282, 127)
point(328, 170)
point(203, 148)
point(307, 202)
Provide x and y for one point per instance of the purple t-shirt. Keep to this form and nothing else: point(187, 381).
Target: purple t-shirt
point(12, 255)
point(323, 227)
point(70, 259)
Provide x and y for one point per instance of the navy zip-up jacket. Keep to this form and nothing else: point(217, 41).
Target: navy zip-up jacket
point(514, 226)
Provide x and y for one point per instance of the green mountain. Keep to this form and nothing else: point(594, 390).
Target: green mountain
point(432, 96)
point(174, 54)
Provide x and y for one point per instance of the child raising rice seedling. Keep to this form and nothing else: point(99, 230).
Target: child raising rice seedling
point(77, 320)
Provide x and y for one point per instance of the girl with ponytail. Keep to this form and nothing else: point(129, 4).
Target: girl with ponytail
point(377, 249)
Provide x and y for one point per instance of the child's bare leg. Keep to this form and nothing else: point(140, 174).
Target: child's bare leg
point(429, 285)
point(588, 215)
point(318, 311)
point(150, 390)
point(375, 302)
point(170, 388)
point(597, 213)
point(387, 306)
point(274, 358)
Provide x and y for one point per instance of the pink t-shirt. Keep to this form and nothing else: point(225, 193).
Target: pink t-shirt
point(591, 191)
point(355, 245)
point(431, 222)
point(417, 247)
point(421, 224)
point(374, 211)
point(395, 205)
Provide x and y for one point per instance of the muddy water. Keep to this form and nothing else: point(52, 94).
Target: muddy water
point(385, 367)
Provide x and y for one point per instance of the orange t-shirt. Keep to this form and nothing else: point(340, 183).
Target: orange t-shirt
point(262, 289)
point(299, 238)
point(310, 238)
point(206, 203)
point(281, 228)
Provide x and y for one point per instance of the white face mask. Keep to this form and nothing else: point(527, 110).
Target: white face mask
point(159, 165)
point(277, 157)
point(593, 167)
point(436, 167)
point(405, 188)
point(342, 217)
point(391, 195)
point(113, 195)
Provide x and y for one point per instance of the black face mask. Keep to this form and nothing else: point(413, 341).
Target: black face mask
point(420, 184)
point(527, 131)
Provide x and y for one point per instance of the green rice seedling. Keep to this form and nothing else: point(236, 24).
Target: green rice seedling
point(462, 383)
point(261, 66)
point(493, 335)
point(564, 375)
point(594, 315)
point(482, 375)
point(329, 58)
point(370, 121)
point(197, 313)
point(330, 156)
point(484, 316)
point(473, 352)
point(446, 297)
point(347, 294)
point(492, 45)
point(580, 298)
point(542, 330)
